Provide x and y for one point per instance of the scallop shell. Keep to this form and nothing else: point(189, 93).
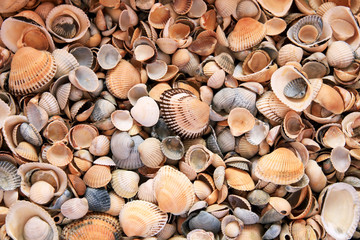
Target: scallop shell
point(340, 54)
point(141, 218)
point(120, 79)
point(174, 103)
point(173, 191)
point(97, 176)
point(59, 154)
point(150, 152)
point(75, 208)
point(280, 167)
point(246, 34)
point(239, 179)
point(67, 23)
point(37, 67)
point(240, 121)
point(340, 221)
point(108, 56)
point(28, 34)
point(125, 183)
point(100, 146)
point(10, 180)
point(23, 212)
point(93, 225)
point(98, 199)
point(65, 62)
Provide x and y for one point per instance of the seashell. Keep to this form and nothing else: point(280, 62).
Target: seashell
point(150, 153)
point(84, 79)
point(271, 107)
point(203, 46)
point(122, 120)
point(98, 199)
point(59, 154)
point(316, 176)
point(30, 134)
point(174, 103)
point(125, 183)
point(266, 170)
point(289, 53)
point(339, 54)
point(240, 121)
point(75, 208)
point(157, 69)
point(119, 81)
point(275, 26)
point(146, 111)
point(272, 232)
point(246, 34)
point(231, 227)
point(102, 110)
point(343, 25)
point(49, 104)
point(246, 216)
point(149, 219)
point(97, 176)
point(65, 62)
point(42, 71)
point(10, 179)
point(205, 221)
point(258, 133)
point(9, 6)
point(158, 16)
point(116, 204)
point(41, 192)
point(292, 125)
point(248, 9)
point(108, 57)
point(28, 34)
point(34, 223)
point(334, 104)
point(83, 55)
point(56, 131)
point(67, 23)
point(278, 10)
point(99, 225)
point(123, 142)
point(100, 146)
point(136, 92)
point(173, 191)
point(239, 179)
point(340, 224)
point(316, 65)
point(198, 157)
point(27, 151)
point(146, 191)
point(77, 184)
point(340, 159)
point(129, 149)
point(81, 136)
point(172, 147)
point(284, 78)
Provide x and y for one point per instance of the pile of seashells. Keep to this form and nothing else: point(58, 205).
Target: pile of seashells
point(179, 119)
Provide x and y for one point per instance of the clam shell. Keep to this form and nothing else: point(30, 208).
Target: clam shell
point(271, 107)
point(136, 92)
point(240, 121)
point(120, 79)
point(59, 154)
point(184, 113)
point(231, 227)
point(49, 103)
point(97, 176)
point(75, 208)
point(93, 225)
point(173, 191)
point(27, 151)
point(275, 26)
point(289, 53)
point(30, 134)
point(83, 55)
point(56, 131)
point(280, 167)
point(340, 159)
point(81, 136)
point(246, 216)
point(65, 62)
point(246, 34)
point(100, 146)
point(28, 34)
point(116, 204)
point(334, 104)
point(258, 133)
point(102, 110)
point(108, 56)
point(125, 183)
point(146, 112)
point(198, 157)
point(278, 10)
point(156, 70)
point(205, 221)
point(122, 120)
point(67, 23)
point(10, 179)
point(340, 54)
point(149, 219)
point(340, 221)
point(19, 215)
point(84, 79)
point(41, 192)
point(146, 191)
point(239, 179)
point(150, 152)
point(132, 159)
point(98, 199)
point(158, 16)
point(316, 176)
point(172, 147)
point(38, 71)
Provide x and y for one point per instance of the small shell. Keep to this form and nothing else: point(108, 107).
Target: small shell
point(141, 218)
point(289, 53)
point(275, 26)
point(198, 157)
point(278, 10)
point(108, 56)
point(65, 62)
point(340, 54)
point(27, 151)
point(157, 69)
point(172, 147)
point(59, 154)
point(340, 159)
point(41, 192)
point(100, 146)
point(125, 183)
point(146, 112)
point(75, 208)
point(150, 153)
point(98, 199)
point(158, 16)
point(240, 121)
point(81, 136)
point(10, 179)
point(97, 176)
point(84, 79)
point(239, 179)
point(136, 92)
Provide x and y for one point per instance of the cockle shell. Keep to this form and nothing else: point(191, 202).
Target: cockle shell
point(173, 191)
point(65, 62)
point(240, 121)
point(280, 167)
point(10, 180)
point(10, 6)
point(279, 9)
point(184, 113)
point(98, 199)
point(158, 16)
point(108, 56)
point(198, 157)
point(125, 183)
point(81, 136)
point(239, 179)
point(83, 55)
point(84, 79)
point(150, 152)
point(75, 208)
point(340, 54)
point(146, 111)
point(141, 218)
point(59, 154)
point(37, 67)
point(97, 176)
point(122, 120)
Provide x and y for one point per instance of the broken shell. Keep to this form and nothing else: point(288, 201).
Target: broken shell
point(75, 208)
point(240, 121)
point(108, 56)
point(152, 219)
point(278, 10)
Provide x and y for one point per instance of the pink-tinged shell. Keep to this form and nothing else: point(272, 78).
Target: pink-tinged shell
point(59, 154)
point(246, 34)
point(37, 67)
point(278, 9)
point(240, 121)
point(75, 208)
point(146, 111)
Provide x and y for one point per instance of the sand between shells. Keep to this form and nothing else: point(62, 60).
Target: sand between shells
point(179, 119)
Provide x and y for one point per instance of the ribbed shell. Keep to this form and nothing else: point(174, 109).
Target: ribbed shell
point(125, 183)
point(75, 208)
point(9, 180)
point(239, 179)
point(150, 152)
point(280, 167)
point(141, 218)
point(120, 79)
point(247, 33)
point(184, 113)
point(173, 191)
point(65, 62)
point(97, 176)
point(49, 103)
point(93, 226)
point(31, 71)
point(271, 107)
point(98, 199)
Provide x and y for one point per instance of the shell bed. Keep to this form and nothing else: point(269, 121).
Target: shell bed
point(179, 119)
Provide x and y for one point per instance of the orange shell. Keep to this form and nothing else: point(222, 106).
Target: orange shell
point(31, 71)
point(280, 167)
point(97, 176)
point(239, 179)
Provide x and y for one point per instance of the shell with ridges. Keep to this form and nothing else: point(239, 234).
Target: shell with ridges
point(10, 180)
point(98, 199)
point(65, 62)
point(97, 176)
point(125, 183)
point(75, 208)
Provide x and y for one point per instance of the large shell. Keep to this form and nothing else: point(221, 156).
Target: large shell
point(280, 167)
point(23, 212)
point(184, 113)
point(141, 218)
point(10, 180)
point(28, 32)
point(173, 191)
point(31, 71)
point(247, 33)
point(120, 79)
point(340, 220)
point(67, 23)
